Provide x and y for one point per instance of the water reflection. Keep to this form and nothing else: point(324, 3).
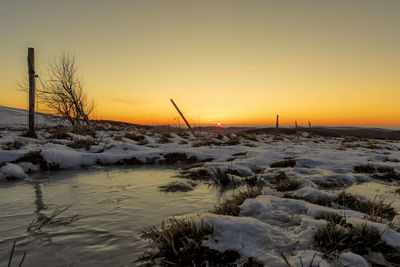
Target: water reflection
point(114, 205)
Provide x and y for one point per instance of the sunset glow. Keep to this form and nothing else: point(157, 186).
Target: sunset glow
point(233, 61)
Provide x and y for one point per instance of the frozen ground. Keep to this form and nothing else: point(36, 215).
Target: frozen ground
point(267, 225)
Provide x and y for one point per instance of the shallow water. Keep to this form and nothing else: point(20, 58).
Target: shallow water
point(114, 205)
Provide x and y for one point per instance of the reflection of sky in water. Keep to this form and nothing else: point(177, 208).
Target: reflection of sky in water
point(114, 205)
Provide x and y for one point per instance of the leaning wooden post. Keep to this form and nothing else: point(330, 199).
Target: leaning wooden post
point(183, 117)
point(277, 121)
point(309, 125)
point(32, 76)
point(295, 125)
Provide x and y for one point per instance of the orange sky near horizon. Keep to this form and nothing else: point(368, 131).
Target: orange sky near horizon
point(234, 62)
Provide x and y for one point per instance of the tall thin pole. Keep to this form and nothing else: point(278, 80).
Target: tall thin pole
point(32, 85)
point(183, 117)
point(277, 121)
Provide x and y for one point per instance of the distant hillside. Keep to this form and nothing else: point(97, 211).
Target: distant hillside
point(18, 118)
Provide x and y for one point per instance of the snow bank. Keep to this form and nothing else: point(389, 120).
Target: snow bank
point(12, 171)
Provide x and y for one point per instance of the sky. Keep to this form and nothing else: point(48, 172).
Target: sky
point(234, 62)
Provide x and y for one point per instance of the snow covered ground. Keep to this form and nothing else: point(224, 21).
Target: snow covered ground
point(267, 225)
point(18, 118)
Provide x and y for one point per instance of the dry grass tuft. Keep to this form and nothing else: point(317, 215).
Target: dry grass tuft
point(134, 137)
point(16, 144)
point(175, 157)
point(61, 132)
point(54, 218)
point(164, 139)
point(36, 158)
point(231, 206)
point(118, 138)
point(375, 209)
point(335, 239)
point(84, 130)
point(284, 163)
point(83, 143)
point(175, 186)
point(179, 243)
point(287, 185)
point(364, 169)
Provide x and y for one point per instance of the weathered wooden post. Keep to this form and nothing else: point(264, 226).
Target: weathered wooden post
point(183, 117)
point(277, 121)
point(309, 125)
point(295, 125)
point(32, 85)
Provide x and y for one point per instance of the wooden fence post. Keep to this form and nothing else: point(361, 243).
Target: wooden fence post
point(183, 117)
point(277, 121)
point(32, 85)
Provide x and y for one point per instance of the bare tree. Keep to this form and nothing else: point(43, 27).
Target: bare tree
point(62, 91)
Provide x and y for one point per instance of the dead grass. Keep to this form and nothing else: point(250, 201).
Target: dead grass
point(118, 138)
point(36, 158)
point(178, 157)
point(331, 217)
point(200, 174)
point(287, 185)
point(84, 130)
point(164, 139)
point(175, 186)
point(54, 218)
point(375, 209)
point(387, 174)
point(206, 142)
point(15, 145)
point(335, 239)
point(364, 169)
point(284, 163)
point(231, 206)
point(220, 178)
point(179, 243)
point(83, 143)
point(12, 256)
point(134, 137)
point(61, 132)
point(381, 173)
point(256, 179)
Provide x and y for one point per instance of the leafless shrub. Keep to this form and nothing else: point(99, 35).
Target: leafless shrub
point(62, 91)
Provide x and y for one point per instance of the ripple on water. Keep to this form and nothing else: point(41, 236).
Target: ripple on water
point(114, 205)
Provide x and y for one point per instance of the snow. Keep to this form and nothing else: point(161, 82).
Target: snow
point(18, 118)
point(12, 171)
point(269, 224)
